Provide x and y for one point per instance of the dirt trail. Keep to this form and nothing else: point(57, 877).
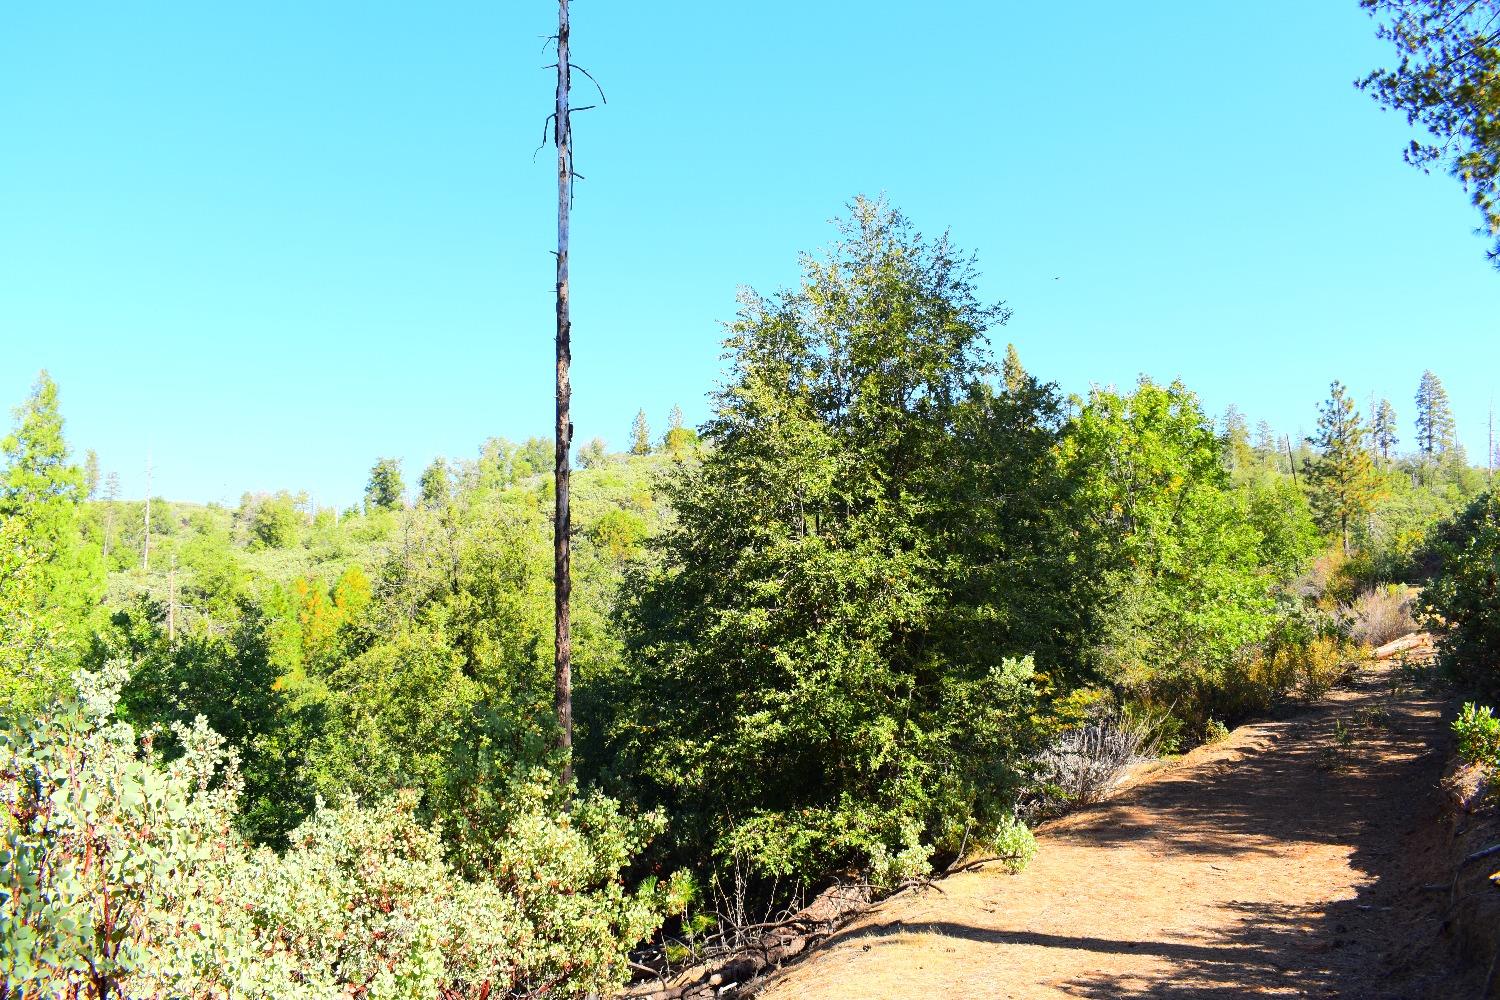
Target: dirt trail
point(1248, 869)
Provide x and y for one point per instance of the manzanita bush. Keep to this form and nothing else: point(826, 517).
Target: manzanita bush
point(122, 876)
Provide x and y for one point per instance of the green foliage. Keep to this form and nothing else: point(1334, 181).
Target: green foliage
point(385, 490)
point(435, 486)
point(272, 522)
point(830, 638)
point(51, 578)
point(1342, 478)
point(1383, 435)
point(817, 694)
point(1280, 514)
point(1189, 574)
point(1435, 426)
point(1238, 454)
point(1013, 375)
point(640, 435)
point(121, 876)
point(1478, 733)
point(31, 633)
point(1448, 59)
point(593, 455)
point(1465, 595)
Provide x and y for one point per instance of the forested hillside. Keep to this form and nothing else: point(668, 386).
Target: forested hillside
point(832, 633)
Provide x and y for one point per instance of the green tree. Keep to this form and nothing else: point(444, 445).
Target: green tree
point(594, 455)
point(1236, 439)
point(1012, 374)
point(90, 474)
point(812, 643)
point(678, 440)
point(1435, 426)
point(1448, 60)
point(1341, 478)
point(1383, 430)
point(1184, 566)
point(436, 485)
point(57, 575)
point(640, 435)
point(273, 522)
point(1465, 592)
point(385, 490)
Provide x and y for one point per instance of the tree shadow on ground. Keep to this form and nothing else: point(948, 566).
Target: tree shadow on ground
point(1298, 784)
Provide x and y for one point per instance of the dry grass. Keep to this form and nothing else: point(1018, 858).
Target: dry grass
point(1382, 614)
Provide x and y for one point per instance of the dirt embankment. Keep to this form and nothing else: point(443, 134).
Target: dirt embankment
point(1289, 860)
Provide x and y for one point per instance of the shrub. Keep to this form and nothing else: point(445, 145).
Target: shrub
point(1478, 733)
point(1381, 614)
point(1465, 595)
point(1215, 731)
point(1081, 765)
point(123, 876)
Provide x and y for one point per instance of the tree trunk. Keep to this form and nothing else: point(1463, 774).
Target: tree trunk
point(562, 526)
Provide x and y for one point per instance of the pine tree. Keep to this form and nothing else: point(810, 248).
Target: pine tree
point(40, 495)
point(1012, 374)
point(1236, 439)
point(90, 474)
point(1341, 478)
point(594, 455)
point(1383, 430)
point(1434, 417)
point(435, 485)
point(678, 440)
point(385, 489)
point(640, 435)
point(111, 496)
point(1265, 438)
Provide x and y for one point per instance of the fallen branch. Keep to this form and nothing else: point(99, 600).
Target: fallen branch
point(780, 942)
point(1481, 855)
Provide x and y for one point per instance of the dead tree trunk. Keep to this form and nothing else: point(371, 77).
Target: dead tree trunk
point(562, 525)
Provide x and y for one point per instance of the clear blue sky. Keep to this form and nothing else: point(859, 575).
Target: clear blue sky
point(271, 242)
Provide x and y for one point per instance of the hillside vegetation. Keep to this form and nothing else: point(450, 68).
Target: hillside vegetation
point(279, 749)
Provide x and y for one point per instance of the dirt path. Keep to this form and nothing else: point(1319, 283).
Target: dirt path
point(1249, 869)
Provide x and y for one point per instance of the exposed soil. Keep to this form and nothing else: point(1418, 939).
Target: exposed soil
point(1268, 865)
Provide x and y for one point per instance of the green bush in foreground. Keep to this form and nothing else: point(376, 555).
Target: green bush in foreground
point(1478, 733)
point(121, 876)
point(1465, 595)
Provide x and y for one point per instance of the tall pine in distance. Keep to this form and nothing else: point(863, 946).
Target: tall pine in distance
point(1012, 374)
point(679, 439)
point(1238, 455)
point(1383, 430)
point(385, 490)
point(1342, 477)
point(1435, 428)
point(640, 435)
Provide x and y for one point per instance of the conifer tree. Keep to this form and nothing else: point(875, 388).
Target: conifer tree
point(435, 485)
point(1342, 477)
point(1012, 374)
point(90, 474)
point(1434, 417)
point(640, 435)
point(385, 489)
point(1383, 430)
point(1265, 437)
point(1236, 439)
point(678, 439)
point(60, 578)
